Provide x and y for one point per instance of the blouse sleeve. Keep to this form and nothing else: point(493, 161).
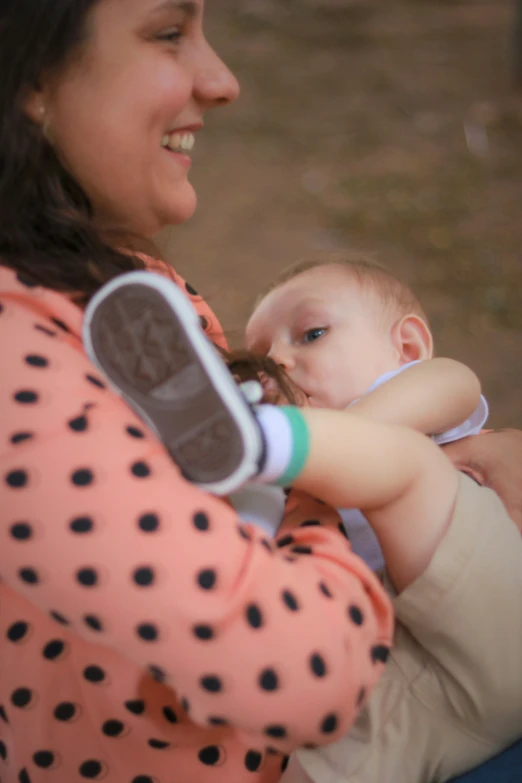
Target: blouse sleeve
point(99, 529)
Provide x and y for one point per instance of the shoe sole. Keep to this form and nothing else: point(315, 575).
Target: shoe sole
point(145, 337)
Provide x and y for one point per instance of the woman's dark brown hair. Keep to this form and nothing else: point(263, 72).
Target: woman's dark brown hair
point(46, 230)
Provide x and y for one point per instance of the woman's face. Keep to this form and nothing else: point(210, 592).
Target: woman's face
point(124, 117)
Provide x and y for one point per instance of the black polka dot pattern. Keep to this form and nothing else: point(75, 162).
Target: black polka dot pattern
point(209, 755)
point(148, 632)
point(211, 684)
point(207, 579)
point(144, 576)
point(43, 759)
point(95, 381)
point(54, 649)
point(253, 760)
point(136, 706)
point(380, 653)
point(290, 601)
point(149, 523)
point(34, 360)
point(157, 673)
point(285, 541)
point(94, 674)
point(93, 622)
point(254, 616)
point(134, 432)
point(29, 576)
point(276, 731)
point(82, 477)
point(17, 479)
point(204, 632)
point(79, 424)
point(329, 724)
point(87, 577)
point(91, 769)
point(325, 590)
point(201, 521)
point(268, 680)
point(113, 728)
point(356, 615)
point(158, 744)
point(45, 330)
point(310, 523)
point(301, 549)
point(21, 697)
point(170, 715)
point(318, 665)
point(66, 711)
point(17, 632)
point(21, 437)
point(21, 531)
point(81, 525)
point(140, 470)
point(26, 397)
point(59, 618)
point(60, 324)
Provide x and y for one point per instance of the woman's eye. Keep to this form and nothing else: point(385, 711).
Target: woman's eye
point(171, 36)
point(312, 335)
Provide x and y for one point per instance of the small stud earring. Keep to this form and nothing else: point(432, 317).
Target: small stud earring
point(44, 118)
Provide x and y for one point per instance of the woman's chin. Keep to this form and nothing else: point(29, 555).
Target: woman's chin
point(184, 204)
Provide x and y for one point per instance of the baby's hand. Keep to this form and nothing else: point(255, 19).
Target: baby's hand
point(494, 459)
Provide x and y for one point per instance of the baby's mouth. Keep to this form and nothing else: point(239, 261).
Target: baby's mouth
point(179, 142)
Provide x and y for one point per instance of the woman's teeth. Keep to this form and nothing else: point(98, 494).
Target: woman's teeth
point(178, 142)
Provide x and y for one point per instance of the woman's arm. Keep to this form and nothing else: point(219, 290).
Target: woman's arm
point(494, 459)
point(98, 526)
point(431, 397)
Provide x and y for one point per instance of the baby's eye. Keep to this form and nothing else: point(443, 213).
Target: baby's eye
point(311, 335)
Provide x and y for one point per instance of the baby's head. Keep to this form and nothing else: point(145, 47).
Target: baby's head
point(336, 323)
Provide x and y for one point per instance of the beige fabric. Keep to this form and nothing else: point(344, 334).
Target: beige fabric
point(451, 695)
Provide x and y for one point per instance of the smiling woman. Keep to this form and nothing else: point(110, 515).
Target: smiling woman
point(146, 634)
point(100, 117)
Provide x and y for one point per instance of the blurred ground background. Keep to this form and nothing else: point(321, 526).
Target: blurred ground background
point(383, 125)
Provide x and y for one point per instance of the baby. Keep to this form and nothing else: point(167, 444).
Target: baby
point(451, 693)
point(347, 333)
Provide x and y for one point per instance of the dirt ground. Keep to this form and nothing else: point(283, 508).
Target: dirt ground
point(384, 126)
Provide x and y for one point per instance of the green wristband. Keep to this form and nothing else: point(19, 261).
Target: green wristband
point(301, 445)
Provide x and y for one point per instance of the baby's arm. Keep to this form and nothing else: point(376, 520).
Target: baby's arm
point(404, 484)
point(432, 396)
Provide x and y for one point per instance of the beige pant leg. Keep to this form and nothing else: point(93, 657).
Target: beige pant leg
point(451, 695)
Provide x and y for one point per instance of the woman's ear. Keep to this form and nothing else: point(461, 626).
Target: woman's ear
point(412, 339)
point(34, 106)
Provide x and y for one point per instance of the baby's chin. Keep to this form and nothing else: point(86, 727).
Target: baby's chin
point(315, 402)
point(334, 405)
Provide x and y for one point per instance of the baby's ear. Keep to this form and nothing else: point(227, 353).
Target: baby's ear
point(412, 339)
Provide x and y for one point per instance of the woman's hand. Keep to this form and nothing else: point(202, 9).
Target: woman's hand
point(494, 459)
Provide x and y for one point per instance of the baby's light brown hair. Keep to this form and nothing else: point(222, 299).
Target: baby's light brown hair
point(395, 297)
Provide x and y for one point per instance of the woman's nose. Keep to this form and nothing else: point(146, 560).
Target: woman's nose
point(214, 83)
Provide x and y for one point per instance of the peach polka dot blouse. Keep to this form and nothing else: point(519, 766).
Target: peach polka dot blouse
point(146, 635)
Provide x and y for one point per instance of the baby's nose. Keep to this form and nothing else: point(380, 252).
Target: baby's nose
point(282, 355)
